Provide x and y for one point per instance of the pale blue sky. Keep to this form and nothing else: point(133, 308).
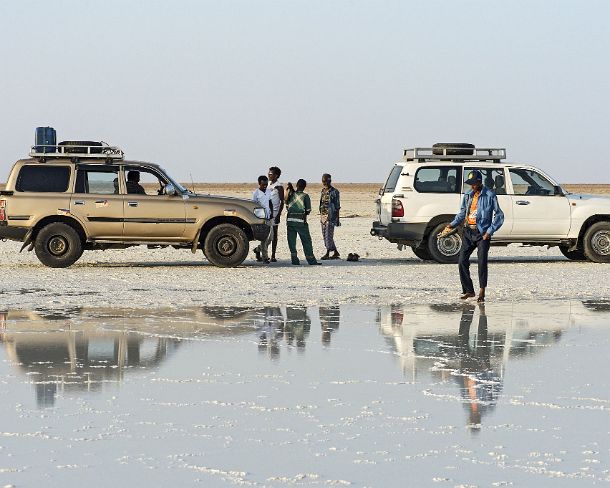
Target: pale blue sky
point(223, 88)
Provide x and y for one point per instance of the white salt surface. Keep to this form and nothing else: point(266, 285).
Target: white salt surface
point(178, 278)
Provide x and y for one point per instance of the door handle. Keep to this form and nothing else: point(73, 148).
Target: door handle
point(101, 201)
point(522, 202)
point(132, 204)
point(79, 202)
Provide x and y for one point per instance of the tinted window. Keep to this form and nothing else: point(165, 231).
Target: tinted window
point(43, 178)
point(390, 185)
point(103, 182)
point(493, 178)
point(527, 182)
point(441, 179)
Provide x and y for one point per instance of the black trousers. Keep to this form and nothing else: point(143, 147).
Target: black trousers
point(471, 240)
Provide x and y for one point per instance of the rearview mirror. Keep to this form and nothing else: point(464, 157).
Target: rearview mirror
point(170, 190)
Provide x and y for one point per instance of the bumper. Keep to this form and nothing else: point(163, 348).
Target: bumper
point(260, 231)
point(399, 232)
point(13, 233)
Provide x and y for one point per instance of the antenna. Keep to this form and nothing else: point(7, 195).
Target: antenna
point(192, 182)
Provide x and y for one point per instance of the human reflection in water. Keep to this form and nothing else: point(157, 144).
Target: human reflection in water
point(329, 322)
point(271, 331)
point(298, 325)
point(480, 384)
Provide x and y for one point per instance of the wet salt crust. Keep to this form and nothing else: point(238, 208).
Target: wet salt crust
point(439, 394)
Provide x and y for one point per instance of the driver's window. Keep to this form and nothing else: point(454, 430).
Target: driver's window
point(144, 182)
point(528, 182)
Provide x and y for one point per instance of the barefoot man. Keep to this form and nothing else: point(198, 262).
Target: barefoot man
point(481, 216)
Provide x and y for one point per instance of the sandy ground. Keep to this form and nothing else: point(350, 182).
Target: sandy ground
point(139, 277)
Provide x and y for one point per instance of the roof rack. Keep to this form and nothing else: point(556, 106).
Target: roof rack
point(44, 152)
point(423, 154)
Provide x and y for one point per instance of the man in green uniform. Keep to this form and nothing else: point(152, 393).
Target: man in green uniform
point(298, 205)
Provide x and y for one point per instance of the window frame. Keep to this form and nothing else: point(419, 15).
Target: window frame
point(457, 168)
point(45, 166)
point(503, 169)
point(85, 168)
point(539, 173)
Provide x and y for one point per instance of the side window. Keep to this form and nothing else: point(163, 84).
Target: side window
point(43, 178)
point(441, 179)
point(96, 181)
point(493, 178)
point(528, 182)
point(144, 182)
point(390, 184)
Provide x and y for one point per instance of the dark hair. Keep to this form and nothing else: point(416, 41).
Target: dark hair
point(301, 184)
point(326, 176)
point(276, 171)
point(262, 178)
point(133, 175)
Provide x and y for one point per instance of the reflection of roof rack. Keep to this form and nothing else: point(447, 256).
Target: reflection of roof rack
point(423, 154)
point(103, 151)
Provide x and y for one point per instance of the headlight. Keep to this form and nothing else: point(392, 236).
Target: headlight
point(260, 212)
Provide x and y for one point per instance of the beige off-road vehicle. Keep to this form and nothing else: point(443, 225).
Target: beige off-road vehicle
point(72, 197)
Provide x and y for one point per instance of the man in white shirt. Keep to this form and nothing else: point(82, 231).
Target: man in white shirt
point(263, 197)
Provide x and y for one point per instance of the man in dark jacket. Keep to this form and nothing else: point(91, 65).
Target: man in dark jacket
point(481, 216)
point(329, 215)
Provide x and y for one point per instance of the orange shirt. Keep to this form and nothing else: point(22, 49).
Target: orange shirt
point(472, 214)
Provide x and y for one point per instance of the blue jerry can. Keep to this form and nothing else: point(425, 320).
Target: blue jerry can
point(45, 136)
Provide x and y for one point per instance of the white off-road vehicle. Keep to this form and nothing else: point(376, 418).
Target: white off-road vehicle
point(423, 193)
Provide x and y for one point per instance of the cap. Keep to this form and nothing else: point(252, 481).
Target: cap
point(473, 176)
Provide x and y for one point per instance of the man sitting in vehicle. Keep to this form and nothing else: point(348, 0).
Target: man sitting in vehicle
point(133, 183)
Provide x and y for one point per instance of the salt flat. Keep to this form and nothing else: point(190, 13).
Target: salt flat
point(177, 278)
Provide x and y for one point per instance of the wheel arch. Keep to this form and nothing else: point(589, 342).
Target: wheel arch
point(64, 219)
point(214, 221)
point(588, 223)
point(439, 219)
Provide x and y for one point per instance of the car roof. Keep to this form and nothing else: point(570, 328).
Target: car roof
point(90, 162)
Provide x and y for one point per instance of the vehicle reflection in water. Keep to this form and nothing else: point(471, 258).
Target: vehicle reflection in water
point(465, 344)
point(81, 350)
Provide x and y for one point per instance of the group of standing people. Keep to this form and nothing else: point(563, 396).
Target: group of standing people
point(272, 196)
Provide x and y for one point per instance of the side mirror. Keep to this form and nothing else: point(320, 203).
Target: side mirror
point(380, 192)
point(170, 190)
point(558, 190)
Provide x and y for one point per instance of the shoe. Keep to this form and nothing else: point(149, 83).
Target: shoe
point(481, 299)
point(266, 261)
point(273, 260)
point(257, 253)
point(335, 255)
point(298, 263)
point(467, 295)
point(325, 257)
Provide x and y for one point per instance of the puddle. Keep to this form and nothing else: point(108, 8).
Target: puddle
point(282, 396)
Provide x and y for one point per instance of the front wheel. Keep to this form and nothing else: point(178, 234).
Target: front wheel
point(575, 255)
point(226, 246)
point(58, 245)
point(447, 249)
point(597, 242)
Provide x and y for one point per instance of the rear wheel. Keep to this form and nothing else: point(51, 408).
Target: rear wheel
point(447, 249)
point(422, 252)
point(597, 242)
point(58, 245)
point(226, 246)
point(575, 255)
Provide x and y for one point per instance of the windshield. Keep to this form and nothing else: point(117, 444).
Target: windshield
point(177, 185)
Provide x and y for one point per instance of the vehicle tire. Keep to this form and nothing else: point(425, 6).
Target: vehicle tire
point(466, 149)
point(447, 249)
point(576, 255)
point(422, 252)
point(58, 245)
point(596, 243)
point(226, 246)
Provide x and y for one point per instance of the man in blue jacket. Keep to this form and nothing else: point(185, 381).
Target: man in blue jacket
point(481, 216)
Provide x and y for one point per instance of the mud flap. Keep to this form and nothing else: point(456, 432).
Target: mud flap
point(196, 242)
point(27, 240)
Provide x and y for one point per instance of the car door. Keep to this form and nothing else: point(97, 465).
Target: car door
point(494, 178)
point(151, 215)
point(97, 201)
point(540, 209)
